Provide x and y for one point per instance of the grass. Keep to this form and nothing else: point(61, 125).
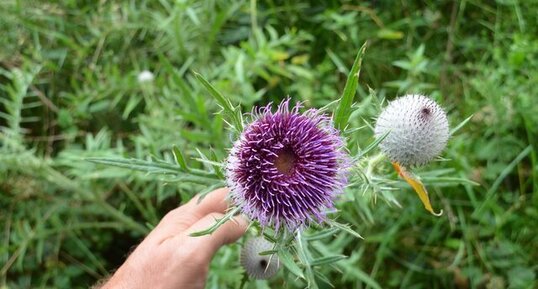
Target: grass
point(69, 92)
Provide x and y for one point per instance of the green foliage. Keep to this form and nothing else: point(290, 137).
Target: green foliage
point(70, 102)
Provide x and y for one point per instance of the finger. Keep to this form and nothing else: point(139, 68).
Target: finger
point(207, 245)
point(227, 233)
point(185, 216)
point(197, 207)
point(213, 202)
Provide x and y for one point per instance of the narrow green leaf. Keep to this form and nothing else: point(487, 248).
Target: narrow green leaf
point(269, 237)
point(345, 228)
point(156, 167)
point(305, 257)
point(288, 262)
point(364, 277)
point(372, 145)
point(507, 170)
point(180, 159)
point(336, 60)
point(327, 260)
point(302, 250)
point(223, 101)
point(354, 129)
point(135, 164)
point(326, 107)
point(268, 252)
point(217, 166)
point(322, 234)
point(323, 278)
point(343, 111)
point(440, 181)
point(231, 112)
point(244, 280)
point(210, 162)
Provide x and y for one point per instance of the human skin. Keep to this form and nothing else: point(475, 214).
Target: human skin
point(170, 258)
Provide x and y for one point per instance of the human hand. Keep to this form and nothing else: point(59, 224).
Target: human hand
point(170, 258)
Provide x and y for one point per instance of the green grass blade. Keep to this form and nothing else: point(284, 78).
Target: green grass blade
point(501, 177)
point(459, 126)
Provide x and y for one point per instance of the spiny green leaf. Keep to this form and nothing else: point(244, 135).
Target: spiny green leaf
point(136, 164)
point(153, 167)
point(218, 223)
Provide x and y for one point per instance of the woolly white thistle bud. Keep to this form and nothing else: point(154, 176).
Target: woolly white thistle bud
point(259, 266)
point(418, 130)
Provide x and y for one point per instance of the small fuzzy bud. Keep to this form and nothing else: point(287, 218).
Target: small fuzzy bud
point(259, 266)
point(145, 76)
point(418, 130)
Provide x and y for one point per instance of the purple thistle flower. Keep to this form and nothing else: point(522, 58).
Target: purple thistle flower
point(287, 167)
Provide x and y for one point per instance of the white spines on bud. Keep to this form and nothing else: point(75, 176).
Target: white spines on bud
point(418, 130)
point(259, 266)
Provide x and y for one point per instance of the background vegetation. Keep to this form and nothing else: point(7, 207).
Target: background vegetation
point(69, 91)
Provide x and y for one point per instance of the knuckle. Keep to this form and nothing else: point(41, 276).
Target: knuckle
point(192, 255)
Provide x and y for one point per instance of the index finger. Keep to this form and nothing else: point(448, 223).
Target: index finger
point(183, 217)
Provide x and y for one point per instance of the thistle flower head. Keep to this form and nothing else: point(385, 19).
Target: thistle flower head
point(287, 167)
point(418, 130)
point(259, 266)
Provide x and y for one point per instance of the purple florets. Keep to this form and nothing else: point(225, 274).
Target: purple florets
point(287, 167)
